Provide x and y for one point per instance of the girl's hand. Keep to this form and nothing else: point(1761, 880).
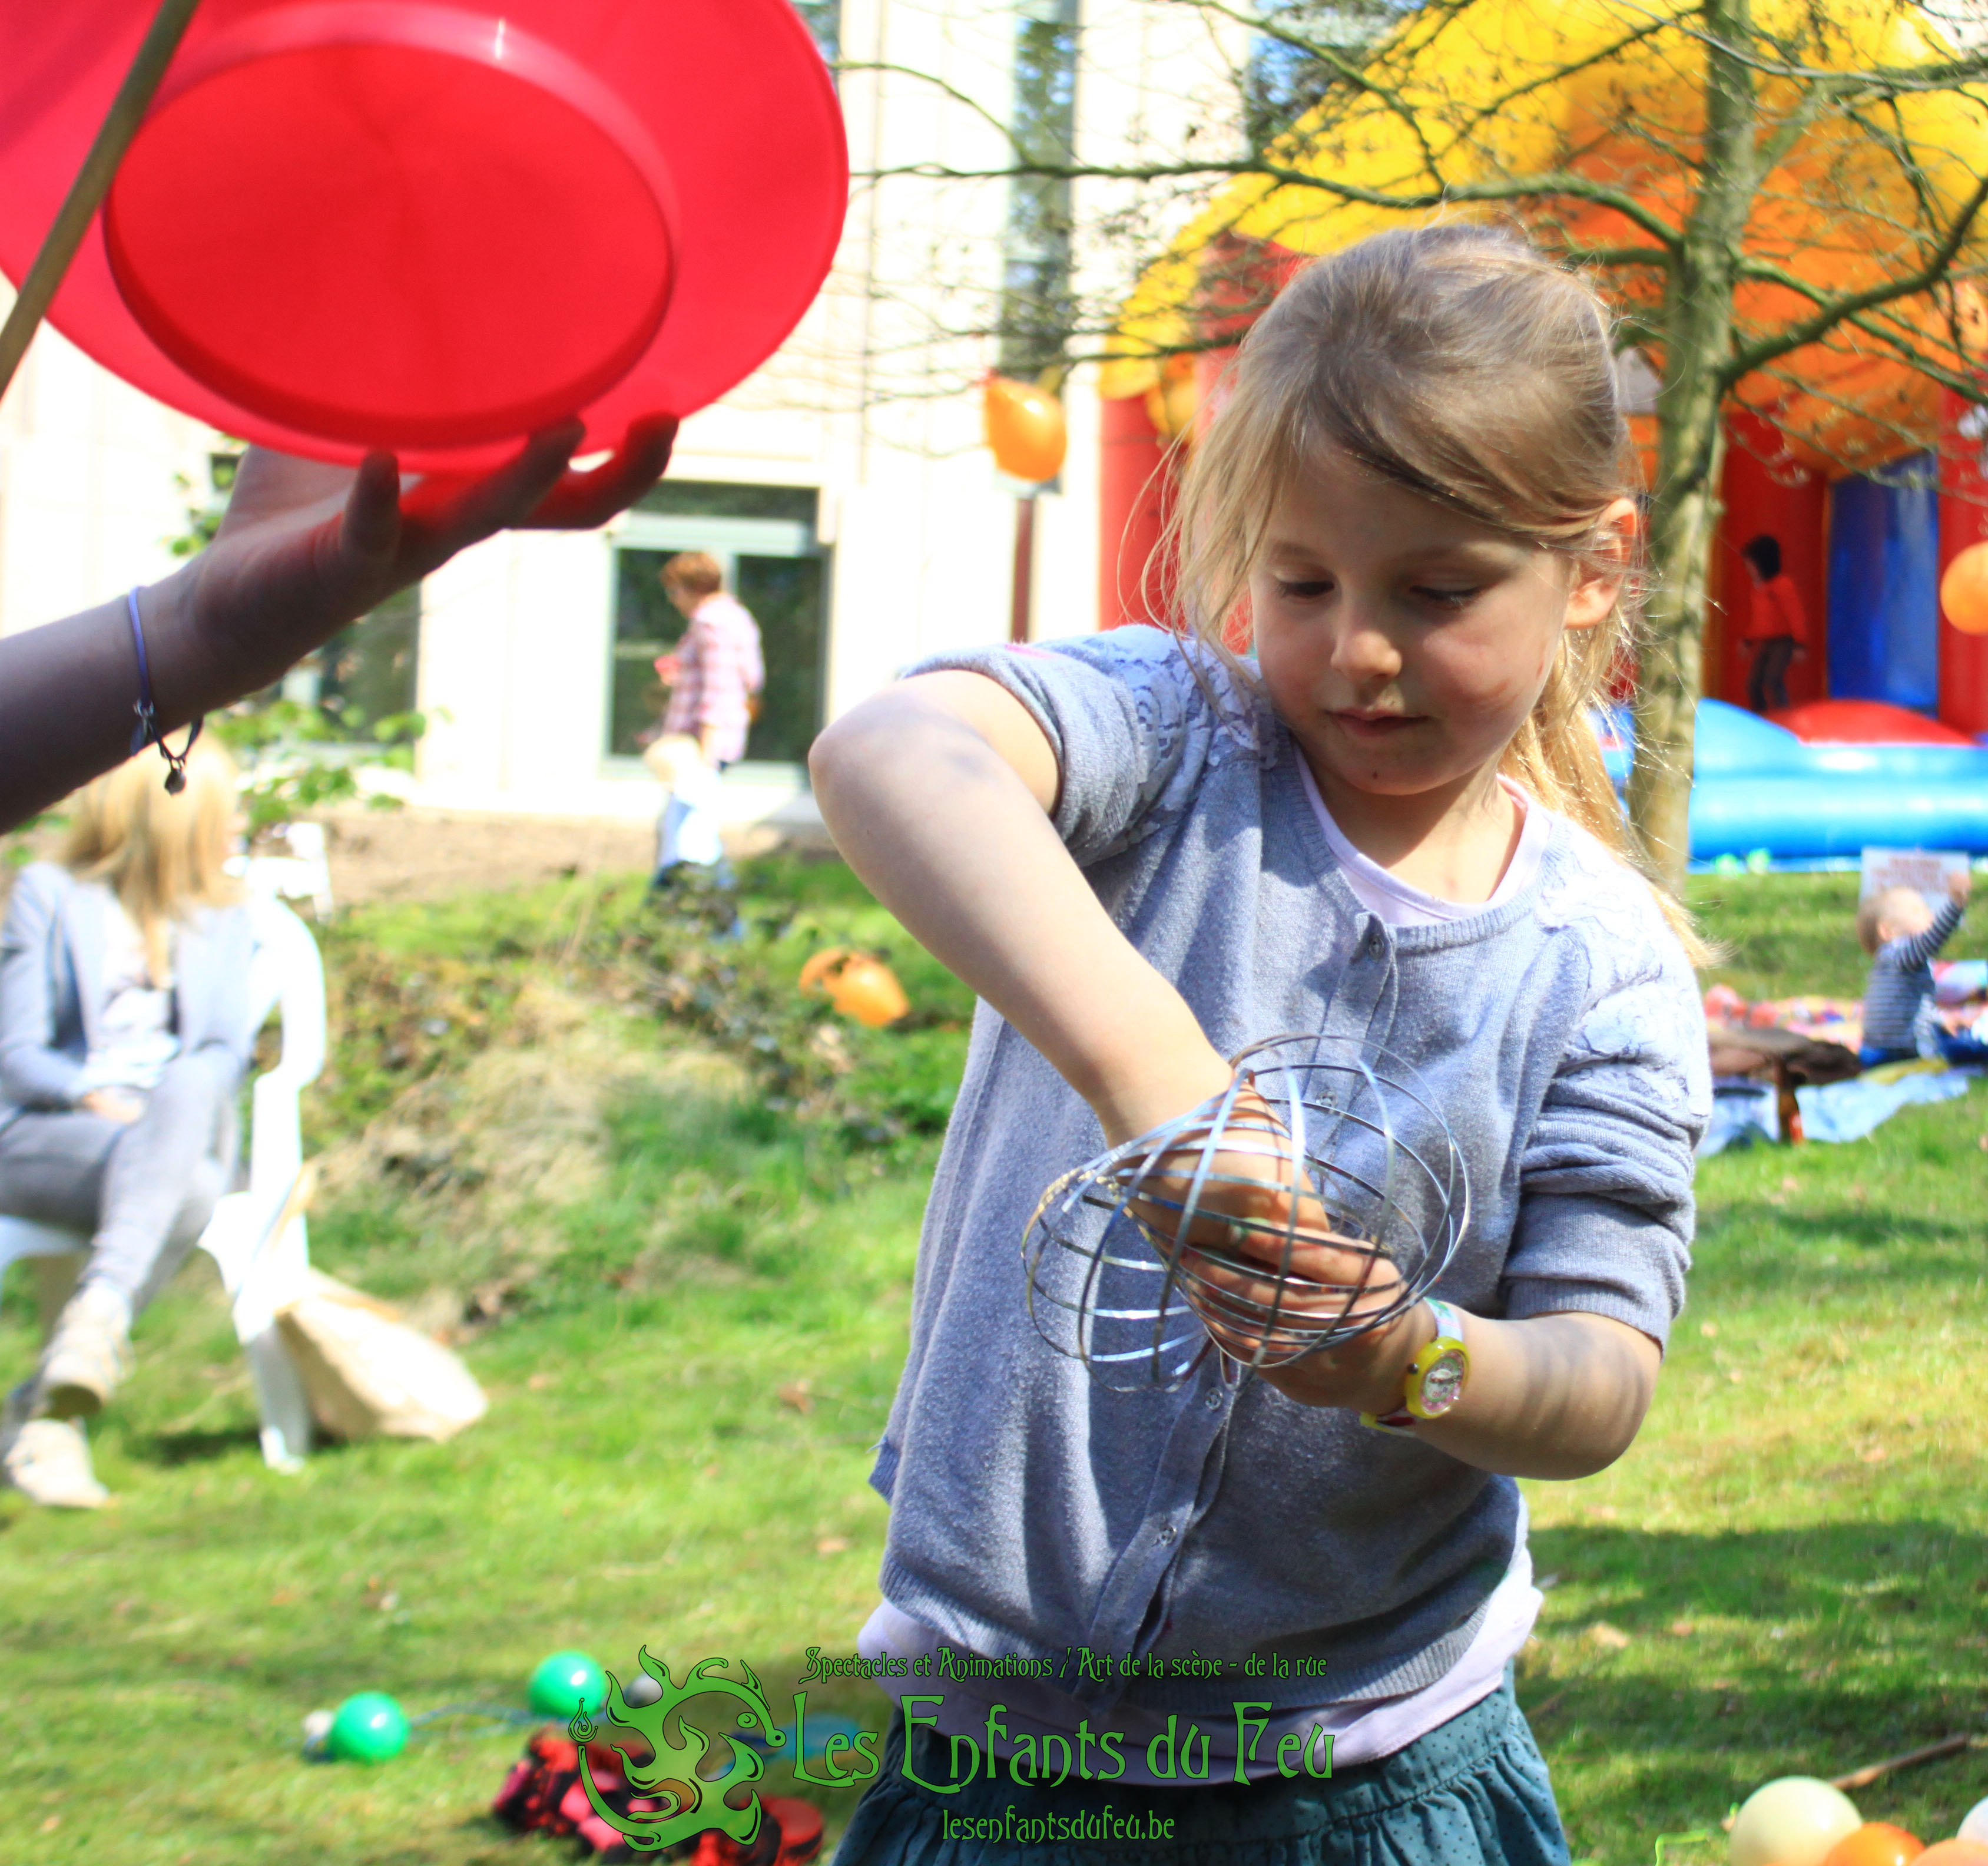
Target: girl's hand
point(1260, 1239)
point(1960, 886)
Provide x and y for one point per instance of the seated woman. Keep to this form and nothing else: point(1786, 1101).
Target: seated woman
point(126, 1028)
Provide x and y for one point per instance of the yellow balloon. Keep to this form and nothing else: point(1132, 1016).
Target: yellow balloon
point(1792, 1822)
point(1963, 590)
point(1025, 428)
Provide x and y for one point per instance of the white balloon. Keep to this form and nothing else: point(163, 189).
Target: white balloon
point(1792, 1822)
point(1975, 1828)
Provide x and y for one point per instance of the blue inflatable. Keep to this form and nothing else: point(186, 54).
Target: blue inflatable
point(1757, 786)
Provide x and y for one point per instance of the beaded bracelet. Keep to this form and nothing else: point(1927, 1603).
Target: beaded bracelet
point(146, 731)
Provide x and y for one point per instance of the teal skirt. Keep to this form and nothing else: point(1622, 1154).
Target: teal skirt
point(1474, 1790)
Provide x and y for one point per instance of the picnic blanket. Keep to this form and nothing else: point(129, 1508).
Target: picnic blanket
point(1745, 1112)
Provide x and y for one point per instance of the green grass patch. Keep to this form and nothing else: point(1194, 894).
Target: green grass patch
point(685, 1467)
point(1788, 1572)
point(1786, 935)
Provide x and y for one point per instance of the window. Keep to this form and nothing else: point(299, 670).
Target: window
point(360, 687)
point(763, 537)
point(823, 19)
point(1286, 77)
point(367, 674)
point(1037, 308)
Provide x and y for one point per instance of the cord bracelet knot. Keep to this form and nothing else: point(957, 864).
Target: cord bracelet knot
point(146, 732)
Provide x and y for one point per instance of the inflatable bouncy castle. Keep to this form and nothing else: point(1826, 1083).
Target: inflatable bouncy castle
point(1869, 475)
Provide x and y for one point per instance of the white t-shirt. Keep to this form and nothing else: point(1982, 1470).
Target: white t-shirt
point(1398, 904)
point(135, 1036)
point(1362, 1731)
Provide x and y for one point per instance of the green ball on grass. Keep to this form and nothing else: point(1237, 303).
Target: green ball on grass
point(567, 1682)
point(368, 1727)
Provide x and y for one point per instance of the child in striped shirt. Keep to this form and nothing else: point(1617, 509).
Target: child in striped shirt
point(1902, 933)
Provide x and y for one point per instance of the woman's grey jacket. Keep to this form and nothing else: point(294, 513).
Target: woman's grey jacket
point(52, 987)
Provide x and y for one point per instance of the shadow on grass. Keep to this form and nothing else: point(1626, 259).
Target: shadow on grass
point(1750, 1655)
point(1850, 1224)
point(1747, 1245)
point(172, 1448)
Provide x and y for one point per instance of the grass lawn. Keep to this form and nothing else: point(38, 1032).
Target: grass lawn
point(698, 1343)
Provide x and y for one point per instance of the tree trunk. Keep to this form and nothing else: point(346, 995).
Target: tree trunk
point(1697, 323)
point(1684, 519)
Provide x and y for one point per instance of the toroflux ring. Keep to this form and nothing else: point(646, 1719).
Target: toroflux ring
point(1368, 1169)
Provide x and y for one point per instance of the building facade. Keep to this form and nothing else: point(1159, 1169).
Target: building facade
point(845, 486)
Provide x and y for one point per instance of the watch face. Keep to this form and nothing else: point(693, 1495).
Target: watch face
point(1443, 1385)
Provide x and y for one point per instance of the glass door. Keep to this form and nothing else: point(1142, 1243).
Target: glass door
point(764, 539)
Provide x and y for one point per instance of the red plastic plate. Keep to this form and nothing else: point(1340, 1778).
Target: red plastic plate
point(355, 223)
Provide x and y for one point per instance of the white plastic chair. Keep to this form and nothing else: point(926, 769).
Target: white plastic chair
point(304, 874)
point(261, 1272)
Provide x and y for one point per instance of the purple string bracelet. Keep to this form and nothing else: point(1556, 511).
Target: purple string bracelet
point(146, 731)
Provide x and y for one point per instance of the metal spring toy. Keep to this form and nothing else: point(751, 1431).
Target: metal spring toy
point(1142, 1259)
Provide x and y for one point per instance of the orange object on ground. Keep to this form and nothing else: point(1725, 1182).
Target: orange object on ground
point(857, 985)
point(1954, 1853)
point(1877, 1843)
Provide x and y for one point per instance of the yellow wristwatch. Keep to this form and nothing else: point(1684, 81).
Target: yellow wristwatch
point(1435, 1377)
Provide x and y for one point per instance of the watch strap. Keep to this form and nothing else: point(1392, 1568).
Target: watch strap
point(1400, 1421)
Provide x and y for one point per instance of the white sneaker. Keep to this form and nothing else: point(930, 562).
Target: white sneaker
point(88, 1355)
point(48, 1461)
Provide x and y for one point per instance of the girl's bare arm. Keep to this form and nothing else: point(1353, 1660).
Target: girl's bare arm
point(1551, 1396)
point(939, 792)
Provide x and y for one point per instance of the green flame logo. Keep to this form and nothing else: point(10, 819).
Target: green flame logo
point(692, 1804)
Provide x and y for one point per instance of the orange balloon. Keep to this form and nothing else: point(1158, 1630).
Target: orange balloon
point(1877, 1843)
point(1954, 1853)
point(1963, 590)
point(1025, 428)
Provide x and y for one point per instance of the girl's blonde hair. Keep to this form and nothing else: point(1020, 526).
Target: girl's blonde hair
point(1458, 362)
point(160, 855)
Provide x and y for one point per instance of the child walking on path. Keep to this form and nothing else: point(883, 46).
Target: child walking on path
point(1902, 934)
point(1391, 824)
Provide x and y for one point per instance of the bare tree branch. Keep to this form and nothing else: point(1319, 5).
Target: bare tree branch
point(953, 91)
point(1844, 307)
point(1519, 187)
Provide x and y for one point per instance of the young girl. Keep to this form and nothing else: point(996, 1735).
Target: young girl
point(1144, 854)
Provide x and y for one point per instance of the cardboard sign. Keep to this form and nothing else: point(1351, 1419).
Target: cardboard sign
point(1924, 869)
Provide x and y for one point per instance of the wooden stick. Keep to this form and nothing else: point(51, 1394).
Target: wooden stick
point(1863, 1778)
point(91, 183)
